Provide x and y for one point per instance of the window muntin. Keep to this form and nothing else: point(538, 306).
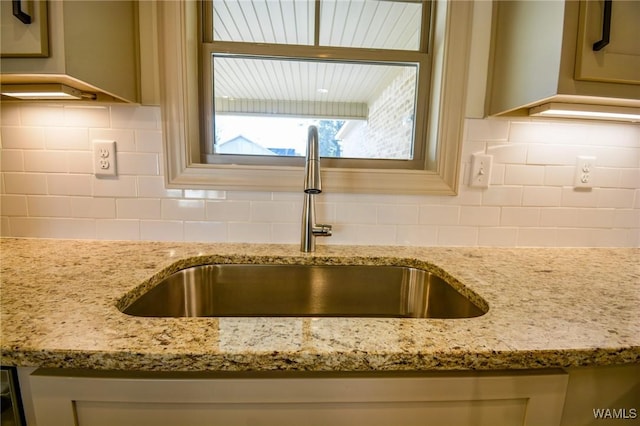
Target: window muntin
point(279, 61)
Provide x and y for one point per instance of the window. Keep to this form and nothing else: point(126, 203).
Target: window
point(362, 64)
point(304, 73)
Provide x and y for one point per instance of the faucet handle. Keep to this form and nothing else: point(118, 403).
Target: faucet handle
point(321, 230)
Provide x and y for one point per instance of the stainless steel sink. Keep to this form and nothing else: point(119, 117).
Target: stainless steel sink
point(268, 290)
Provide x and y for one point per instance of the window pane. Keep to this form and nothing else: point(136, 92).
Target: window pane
point(371, 24)
point(264, 21)
point(372, 105)
point(274, 135)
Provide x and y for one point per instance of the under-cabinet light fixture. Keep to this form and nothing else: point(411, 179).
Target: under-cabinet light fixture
point(594, 112)
point(44, 92)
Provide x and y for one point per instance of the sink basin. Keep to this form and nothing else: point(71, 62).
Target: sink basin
point(267, 290)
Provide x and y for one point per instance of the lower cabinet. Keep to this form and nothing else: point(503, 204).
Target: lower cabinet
point(91, 398)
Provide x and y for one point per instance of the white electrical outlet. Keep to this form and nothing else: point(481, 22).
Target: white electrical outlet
point(480, 170)
point(104, 158)
point(585, 172)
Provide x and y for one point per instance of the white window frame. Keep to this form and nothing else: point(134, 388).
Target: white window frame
point(180, 97)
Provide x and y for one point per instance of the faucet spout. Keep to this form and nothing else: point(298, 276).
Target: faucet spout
point(312, 186)
point(312, 182)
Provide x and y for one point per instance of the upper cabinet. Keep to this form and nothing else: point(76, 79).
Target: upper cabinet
point(615, 55)
point(92, 47)
point(544, 52)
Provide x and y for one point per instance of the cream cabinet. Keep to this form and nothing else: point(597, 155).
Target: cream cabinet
point(543, 52)
point(92, 47)
point(95, 399)
point(608, 48)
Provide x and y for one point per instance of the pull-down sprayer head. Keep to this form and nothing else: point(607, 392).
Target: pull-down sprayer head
point(312, 183)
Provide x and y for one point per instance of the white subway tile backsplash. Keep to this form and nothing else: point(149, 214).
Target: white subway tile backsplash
point(49, 190)
point(274, 211)
point(174, 209)
point(10, 115)
point(154, 187)
point(497, 174)
point(509, 154)
point(578, 197)
point(390, 214)
point(354, 213)
point(285, 233)
point(457, 236)
point(520, 217)
point(67, 138)
point(86, 116)
point(249, 232)
point(37, 227)
point(630, 178)
point(133, 163)
point(498, 237)
point(479, 216)
point(12, 161)
point(5, 228)
point(616, 198)
point(372, 234)
point(25, 183)
point(205, 194)
point(117, 229)
point(228, 211)
point(503, 196)
point(466, 197)
point(249, 196)
point(417, 235)
point(542, 196)
point(607, 177)
point(626, 218)
point(22, 137)
point(122, 186)
point(46, 161)
point(516, 174)
point(538, 237)
point(138, 208)
point(557, 155)
point(148, 141)
point(161, 230)
point(47, 206)
point(577, 218)
point(439, 215)
point(124, 138)
point(214, 232)
point(132, 117)
point(98, 208)
point(613, 135)
point(13, 205)
point(617, 157)
point(559, 175)
point(325, 212)
point(69, 184)
point(490, 130)
point(41, 115)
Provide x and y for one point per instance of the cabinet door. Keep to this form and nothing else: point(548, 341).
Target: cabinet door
point(618, 61)
point(23, 29)
point(438, 399)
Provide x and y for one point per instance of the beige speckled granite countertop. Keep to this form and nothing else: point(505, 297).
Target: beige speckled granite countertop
point(548, 308)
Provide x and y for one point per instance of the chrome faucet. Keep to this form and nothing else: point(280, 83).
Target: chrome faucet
point(312, 186)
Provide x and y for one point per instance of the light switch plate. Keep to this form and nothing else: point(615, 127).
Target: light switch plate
point(480, 170)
